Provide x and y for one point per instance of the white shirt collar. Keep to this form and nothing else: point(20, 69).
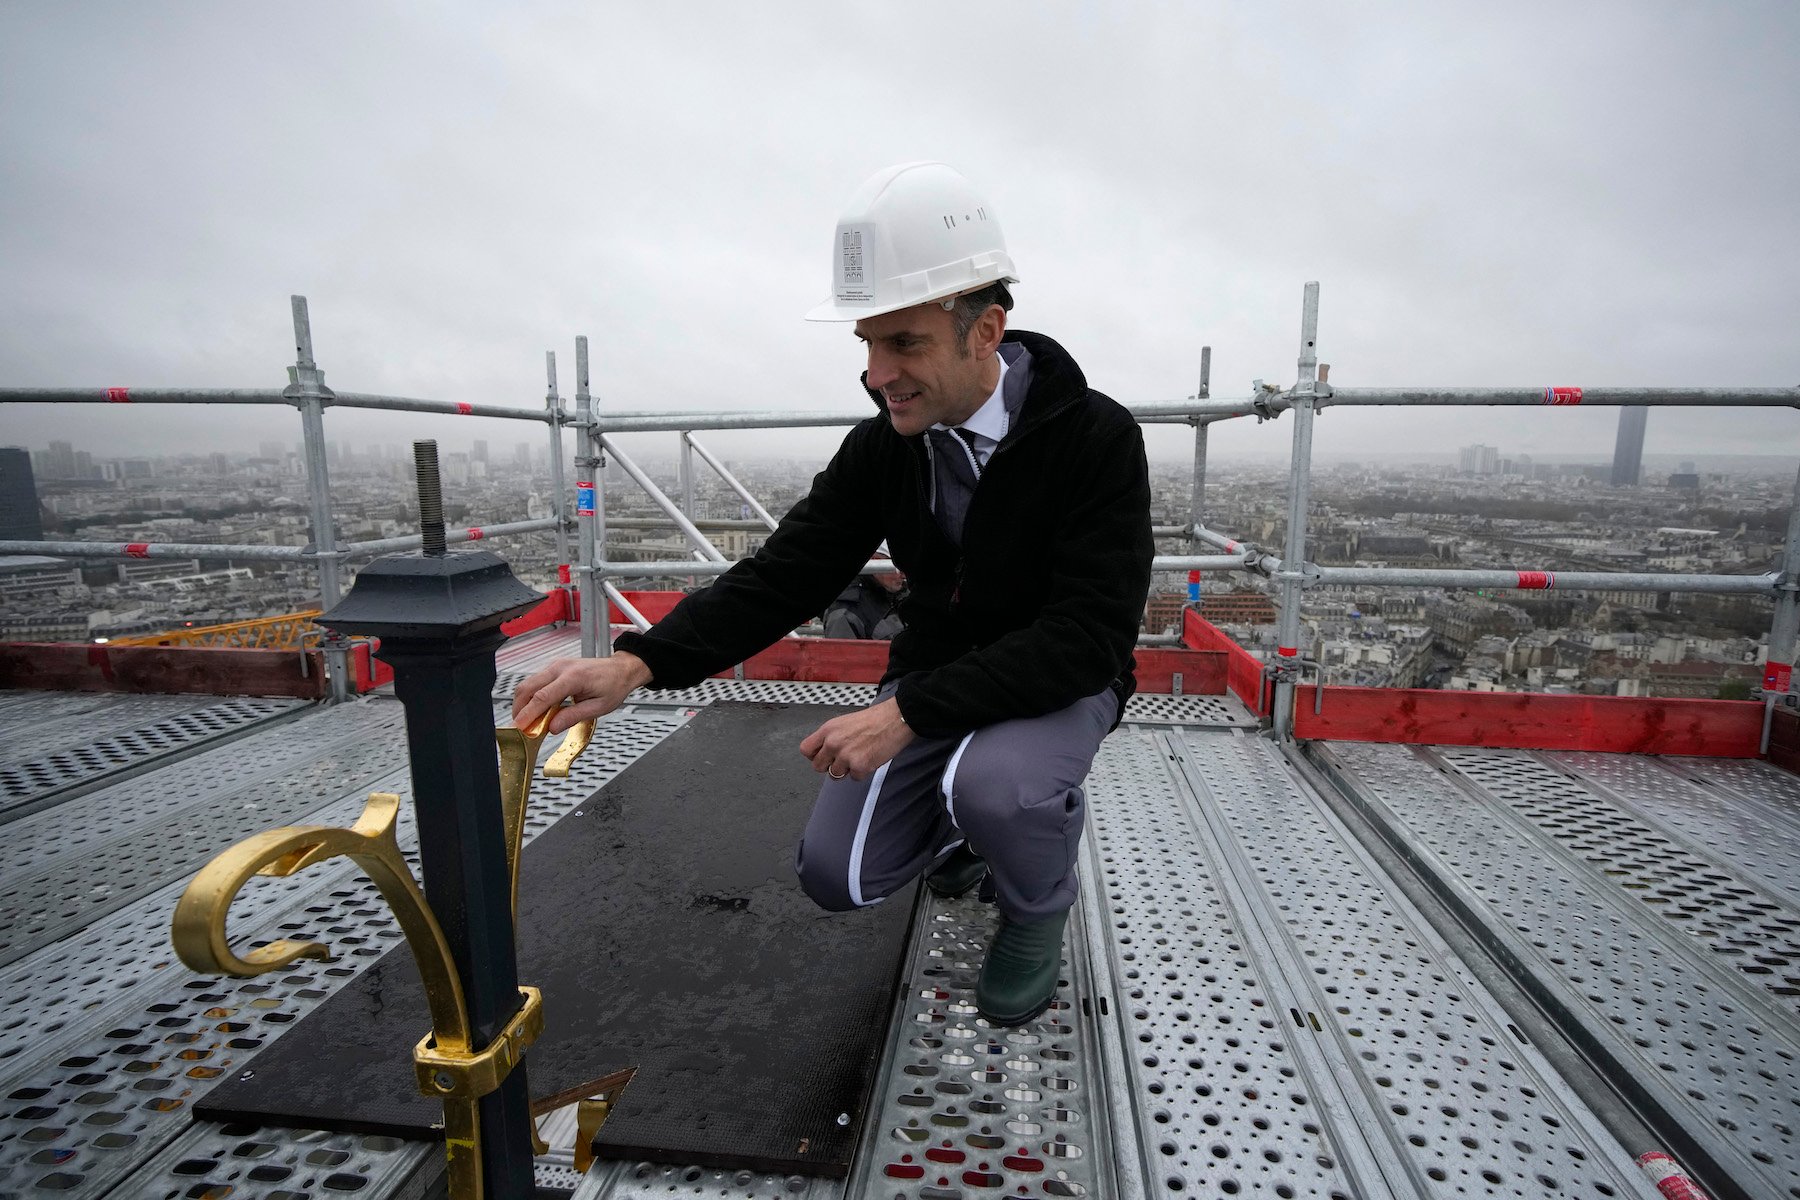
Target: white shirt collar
point(991, 419)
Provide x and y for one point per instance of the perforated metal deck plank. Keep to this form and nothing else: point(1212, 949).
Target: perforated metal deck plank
point(1413, 1071)
point(113, 1097)
point(1685, 893)
point(83, 859)
point(1727, 829)
point(27, 716)
point(212, 1160)
point(53, 757)
point(1570, 891)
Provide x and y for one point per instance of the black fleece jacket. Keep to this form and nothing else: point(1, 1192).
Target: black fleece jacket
point(1038, 608)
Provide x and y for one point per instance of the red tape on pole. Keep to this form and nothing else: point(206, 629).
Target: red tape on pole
point(475, 534)
point(1287, 651)
point(118, 395)
point(1562, 395)
point(1669, 1178)
point(138, 550)
point(464, 409)
point(1536, 581)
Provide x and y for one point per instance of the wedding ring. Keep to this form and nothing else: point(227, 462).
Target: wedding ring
point(835, 775)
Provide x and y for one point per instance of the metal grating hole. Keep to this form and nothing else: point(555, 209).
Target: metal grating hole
point(245, 1161)
point(29, 718)
point(166, 1039)
point(92, 855)
point(1452, 1092)
point(972, 1109)
point(1740, 827)
point(1188, 710)
point(1215, 1078)
point(96, 756)
point(1630, 975)
point(1746, 927)
point(659, 1181)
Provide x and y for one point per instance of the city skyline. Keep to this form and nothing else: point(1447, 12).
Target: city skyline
point(463, 194)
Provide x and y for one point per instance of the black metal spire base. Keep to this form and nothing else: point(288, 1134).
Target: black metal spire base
point(438, 617)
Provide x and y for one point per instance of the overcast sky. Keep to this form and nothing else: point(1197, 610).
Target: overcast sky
point(1509, 194)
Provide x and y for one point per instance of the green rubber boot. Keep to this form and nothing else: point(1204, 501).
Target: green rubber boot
point(962, 870)
point(1018, 980)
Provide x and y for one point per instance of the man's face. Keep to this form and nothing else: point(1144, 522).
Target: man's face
point(920, 371)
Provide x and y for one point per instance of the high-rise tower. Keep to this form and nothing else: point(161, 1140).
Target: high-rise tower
point(1628, 451)
point(19, 514)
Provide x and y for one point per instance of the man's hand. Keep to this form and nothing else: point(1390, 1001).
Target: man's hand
point(856, 744)
point(597, 685)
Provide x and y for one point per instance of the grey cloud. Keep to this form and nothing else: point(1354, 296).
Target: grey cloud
point(1527, 194)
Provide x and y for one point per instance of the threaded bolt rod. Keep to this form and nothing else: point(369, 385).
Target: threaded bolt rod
point(431, 498)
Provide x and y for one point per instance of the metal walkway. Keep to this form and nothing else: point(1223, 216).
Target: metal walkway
point(1252, 1004)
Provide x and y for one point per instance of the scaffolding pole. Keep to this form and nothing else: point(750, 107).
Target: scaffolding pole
point(1293, 578)
point(307, 389)
point(590, 511)
point(559, 493)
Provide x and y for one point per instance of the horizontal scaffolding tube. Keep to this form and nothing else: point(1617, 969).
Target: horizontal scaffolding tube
point(1542, 397)
point(1214, 538)
point(447, 407)
point(1152, 412)
point(684, 422)
point(1716, 397)
point(717, 523)
point(298, 554)
point(156, 550)
point(630, 570)
point(143, 396)
point(1562, 581)
point(474, 533)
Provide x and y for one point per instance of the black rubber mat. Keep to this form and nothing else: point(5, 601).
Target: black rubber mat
point(665, 925)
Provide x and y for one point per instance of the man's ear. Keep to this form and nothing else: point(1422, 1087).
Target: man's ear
point(985, 334)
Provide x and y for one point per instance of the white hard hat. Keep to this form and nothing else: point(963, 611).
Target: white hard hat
point(912, 233)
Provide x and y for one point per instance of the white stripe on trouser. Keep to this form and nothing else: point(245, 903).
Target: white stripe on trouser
point(862, 835)
point(949, 782)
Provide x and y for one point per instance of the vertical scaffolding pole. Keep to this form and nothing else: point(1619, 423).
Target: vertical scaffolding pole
point(687, 477)
point(1785, 629)
point(590, 465)
point(1197, 498)
point(559, 495)
point(1293, 572)
point(306, 387)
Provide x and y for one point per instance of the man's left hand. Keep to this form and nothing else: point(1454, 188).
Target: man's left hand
point(856, 744)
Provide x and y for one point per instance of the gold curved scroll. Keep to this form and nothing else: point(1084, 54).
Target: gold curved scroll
point(199, 925)
point(518, 763)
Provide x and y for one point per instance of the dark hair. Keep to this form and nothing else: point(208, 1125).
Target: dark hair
point(971, 305)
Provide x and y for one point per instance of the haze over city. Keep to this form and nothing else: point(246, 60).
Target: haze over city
point(1529, 195)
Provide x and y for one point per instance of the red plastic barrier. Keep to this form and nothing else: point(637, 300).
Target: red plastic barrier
point(1203, 672)
point(1243, 670)
point(817, 660)
point(1784, 739)
point(367, 670)
point(553, 608)
point(204, 670)
point(653, 605)
point(1532, 721)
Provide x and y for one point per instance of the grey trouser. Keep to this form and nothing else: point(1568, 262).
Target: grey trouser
point(1012, 790)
